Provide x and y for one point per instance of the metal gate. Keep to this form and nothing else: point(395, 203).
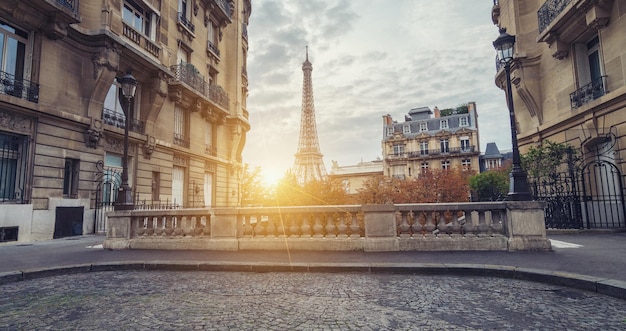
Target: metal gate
point(560, 192)
point(603, 197)
point(109, 181)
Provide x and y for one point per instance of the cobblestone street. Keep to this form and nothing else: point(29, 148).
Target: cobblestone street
point(174, 300)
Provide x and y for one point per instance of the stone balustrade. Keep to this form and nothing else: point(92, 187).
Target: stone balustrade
point(501, 226)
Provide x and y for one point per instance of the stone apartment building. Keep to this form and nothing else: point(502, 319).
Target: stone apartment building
point(62, 114)
point(569, 86)
point(428, 139)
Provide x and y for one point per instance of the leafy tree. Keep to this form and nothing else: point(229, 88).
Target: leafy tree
point(546, 159)
point(490, 185)
point(253, 192)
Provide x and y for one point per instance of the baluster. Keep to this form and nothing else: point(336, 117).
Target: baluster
point(247, 226)
point(484, 221)
point(455, 226)
point(178, 230)
point(306, 226)
point(342, 228)
point(430, 226)
point(293, 226)
point(417, 225)
point(168, 225)
point(403, 225)
point(330, 225)
point(496, 224)
point(259, 227)
point(280, 226)
point(139, 227)
point(206, 225)
point(270, 226)
point(467, 225)
point(317, 227)
point(185, 225)
point(355, 230)
point(154, 225)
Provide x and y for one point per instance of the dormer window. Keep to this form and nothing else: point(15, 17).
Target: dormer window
point(463, 121)
point(423, 127)
point(390, 131)
point(444, 124)
point(406, 129)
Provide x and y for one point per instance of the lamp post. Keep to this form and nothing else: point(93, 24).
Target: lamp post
point(124, 199)
point(518, 184)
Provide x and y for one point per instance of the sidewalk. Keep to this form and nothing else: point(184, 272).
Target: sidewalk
point(602, 256)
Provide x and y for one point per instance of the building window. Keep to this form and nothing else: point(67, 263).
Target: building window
point(208, 189)
point(184, 14)
point(444, 124)
point(114, 105)
point(406, 129)
point(444, 145)
point(212, 38)
point(466, 164)
point(390, 131)
point(70, 178)
point(138, 18)
point(465, 144)
point(463, 121)
point(423, 127)
point(424, 167)
point(181, 127)
point(178, 186)
point(423, 148)
point(445, 165)
point(14, 67)
point(13, 167)
point(209, 139)
point(590, 79)
point(398, 150)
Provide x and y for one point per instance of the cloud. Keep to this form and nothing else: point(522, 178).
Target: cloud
point(370, 58)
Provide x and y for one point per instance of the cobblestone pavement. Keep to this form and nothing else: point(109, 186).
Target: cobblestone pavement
point(176, 300)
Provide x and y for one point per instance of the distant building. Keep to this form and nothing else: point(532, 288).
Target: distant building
point(353, 177)
point(431, 140)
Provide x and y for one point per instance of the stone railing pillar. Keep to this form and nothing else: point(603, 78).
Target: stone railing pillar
point(526, 226)
point(380, 228)
point(118, 230)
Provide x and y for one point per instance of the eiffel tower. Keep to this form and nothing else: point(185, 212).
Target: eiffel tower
point(308, 164)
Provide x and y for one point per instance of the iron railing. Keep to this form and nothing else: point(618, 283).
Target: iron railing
point(212, 48)
point(186, 22)
point(181, 140)
point(188, 74)
point(549, 11)
point(72, 5)
point(118, 120)
point(225, 6)
point(141, 40)
point(589, 92)
point(433, 152)
point(210, 150)
point(18, 87)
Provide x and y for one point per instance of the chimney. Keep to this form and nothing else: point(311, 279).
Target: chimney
point(437, 114)
point(387, 119)
point(471, 106)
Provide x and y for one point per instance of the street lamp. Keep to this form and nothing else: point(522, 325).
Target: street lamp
point(518, 184)
point(124, 199)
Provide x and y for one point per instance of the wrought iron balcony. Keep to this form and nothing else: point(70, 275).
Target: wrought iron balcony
point(72, 5)
point(181, 140)
point(188, 74)
point(213, 49)
point(186, 22)
point(111, 117)
point(225, 6)
point(589, 92)
point(21, 88)
point(549, 11)
point(210, 150)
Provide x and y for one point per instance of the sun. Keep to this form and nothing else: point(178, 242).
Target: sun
point(271, 176)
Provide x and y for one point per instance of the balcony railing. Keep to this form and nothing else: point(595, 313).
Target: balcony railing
point(589, 92)
point(225, 6)
point(181, 140)
point(210, 150)
point(72, 5)
point(20, 88)
point(188, 74)
point(433, 152)
point(212, 48)
point(111, 117)
point(141, 40)
point(549, 11)
point(186, 22)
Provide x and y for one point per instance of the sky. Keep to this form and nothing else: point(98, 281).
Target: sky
point(370, 58)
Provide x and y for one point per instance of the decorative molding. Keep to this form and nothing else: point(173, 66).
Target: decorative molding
point(148, 146)
point(55, 29)
point(108, 57)
point(210, 166)
point(117, 146)
point(94, 133)
point(16, 123)
point(180, 160)
point(159, 84)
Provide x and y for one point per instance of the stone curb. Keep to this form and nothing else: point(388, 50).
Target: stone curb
point(605, 286)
